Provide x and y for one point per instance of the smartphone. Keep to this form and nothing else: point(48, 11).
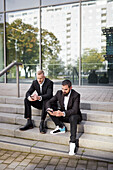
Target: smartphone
point(50, 110)
point(32, 97)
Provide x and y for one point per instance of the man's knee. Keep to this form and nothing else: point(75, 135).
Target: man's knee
point(74, 118)
point(26, 100)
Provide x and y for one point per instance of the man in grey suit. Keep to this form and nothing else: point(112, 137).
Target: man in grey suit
point(69, 111)
point(44, 91)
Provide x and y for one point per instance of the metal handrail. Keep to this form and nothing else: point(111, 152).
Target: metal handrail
point(17, 73)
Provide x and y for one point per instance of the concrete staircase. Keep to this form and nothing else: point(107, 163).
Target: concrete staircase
point(95, 132)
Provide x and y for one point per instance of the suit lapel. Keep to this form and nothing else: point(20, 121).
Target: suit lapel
point(69, 101)
point(62, 102)
point(43, 86)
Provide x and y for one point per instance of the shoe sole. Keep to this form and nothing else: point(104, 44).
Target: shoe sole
point(71, 154)
point(26, 129)
point(56, 133)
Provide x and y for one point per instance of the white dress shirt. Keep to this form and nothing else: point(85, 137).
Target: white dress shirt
point(66, 100)
point(36, 92)
point(41, 86)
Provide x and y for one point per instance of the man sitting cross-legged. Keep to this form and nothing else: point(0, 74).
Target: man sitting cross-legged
point(69, 101)
point(44, 89)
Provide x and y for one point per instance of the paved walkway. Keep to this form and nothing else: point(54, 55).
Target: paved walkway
point(10, 160)
point(88, 93)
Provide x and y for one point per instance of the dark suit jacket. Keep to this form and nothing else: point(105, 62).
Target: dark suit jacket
point(47, 89)
point(73, 106)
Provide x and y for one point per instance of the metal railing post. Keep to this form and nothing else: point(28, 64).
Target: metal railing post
point(17, 80)
point(80, 32)
point(17, 73)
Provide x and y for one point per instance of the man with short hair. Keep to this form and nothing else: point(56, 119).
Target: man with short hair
point(69, 111)
point(44, 91)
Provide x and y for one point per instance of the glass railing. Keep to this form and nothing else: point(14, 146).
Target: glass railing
point(101, 76)
point(57, 73)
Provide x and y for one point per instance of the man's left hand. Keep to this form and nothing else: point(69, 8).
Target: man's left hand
point(36, 97)
point(58, 113)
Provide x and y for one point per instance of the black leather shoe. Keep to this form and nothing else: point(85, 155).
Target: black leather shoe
point(29, 125)
point(42, 127)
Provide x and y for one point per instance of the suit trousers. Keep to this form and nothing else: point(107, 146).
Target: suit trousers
point(37, 104)
point(73, 120)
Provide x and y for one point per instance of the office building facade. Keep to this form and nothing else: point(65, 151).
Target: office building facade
point(66, 38)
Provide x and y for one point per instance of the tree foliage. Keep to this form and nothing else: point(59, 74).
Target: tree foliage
point(50, 54)
point(92, 60)
point(23, 46)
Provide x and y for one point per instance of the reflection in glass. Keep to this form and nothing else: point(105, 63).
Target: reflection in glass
point(21, 4)
point(60, 30)
point(55, 2)
point(1, 6)
point(97, 18)
point(1, 45)
point(23, 41)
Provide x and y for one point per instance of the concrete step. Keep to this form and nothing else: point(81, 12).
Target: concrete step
point(33, 134)
point(96, 105)
point(92, 127)
point(18, 109)
point(98, 142)
point(32, 146)
point(97, 116)
point(90, 115)
point(87, 105)
point(90, 141)
point(12, 100)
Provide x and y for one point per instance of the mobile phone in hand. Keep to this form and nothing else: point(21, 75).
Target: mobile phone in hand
point(50, 110)
point(32, 97)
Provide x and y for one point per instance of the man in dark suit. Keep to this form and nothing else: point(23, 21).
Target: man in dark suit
point(69, 111)
point(43, 88)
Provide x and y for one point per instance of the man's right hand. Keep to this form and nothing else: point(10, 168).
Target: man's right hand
point(31, 98)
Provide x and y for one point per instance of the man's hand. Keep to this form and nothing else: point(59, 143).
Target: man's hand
point(34, 97)
point(50, 111)
point(57, 113)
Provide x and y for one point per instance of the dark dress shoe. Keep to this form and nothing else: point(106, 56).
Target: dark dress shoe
point(29, 125)
point(42, 127)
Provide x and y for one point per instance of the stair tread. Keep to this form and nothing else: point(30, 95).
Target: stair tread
point(84, 111)
point(33, 146)
point(95, 132)
point(37, 118)
point(96, 112)
point(82, 101)
point(67, 134)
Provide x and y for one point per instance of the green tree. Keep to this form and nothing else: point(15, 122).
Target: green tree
point(22, 44)
point(92, 60)
point(50, 54)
